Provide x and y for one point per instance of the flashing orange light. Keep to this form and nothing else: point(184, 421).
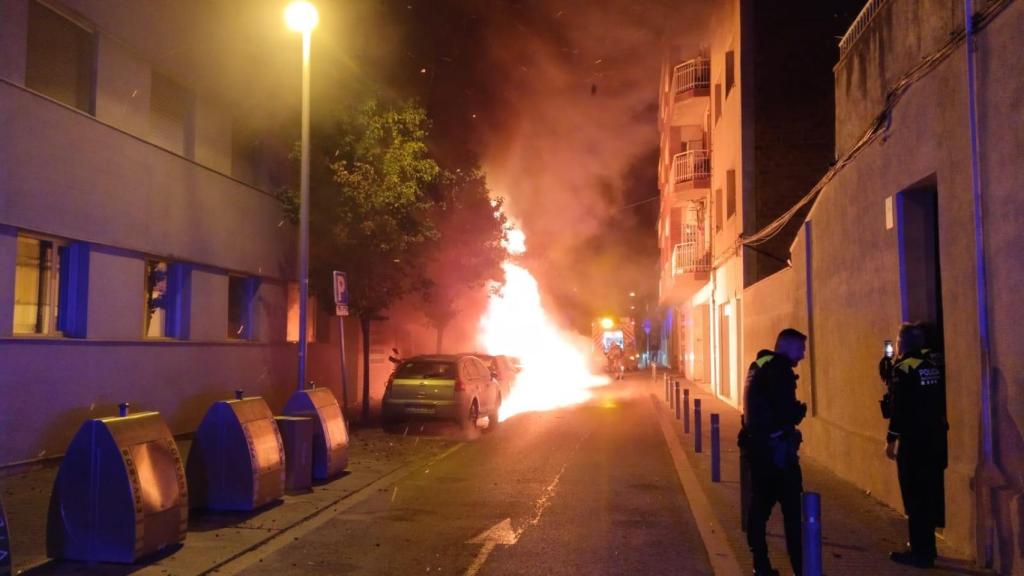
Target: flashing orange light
point(607, 323)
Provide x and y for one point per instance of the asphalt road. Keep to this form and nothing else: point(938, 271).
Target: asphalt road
point(586, 490)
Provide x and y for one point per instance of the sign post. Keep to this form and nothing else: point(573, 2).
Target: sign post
point(341, 310)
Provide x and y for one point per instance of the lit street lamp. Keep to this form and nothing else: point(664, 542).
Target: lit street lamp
point(302, 17)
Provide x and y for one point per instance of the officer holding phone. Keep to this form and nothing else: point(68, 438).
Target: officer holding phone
point(916, 440)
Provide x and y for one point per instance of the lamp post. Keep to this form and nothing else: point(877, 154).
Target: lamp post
point(302, 17)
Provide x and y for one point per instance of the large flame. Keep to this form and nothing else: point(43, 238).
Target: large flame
point(555, 370)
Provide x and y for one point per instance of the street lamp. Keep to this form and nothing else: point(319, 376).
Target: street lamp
point(302, 17)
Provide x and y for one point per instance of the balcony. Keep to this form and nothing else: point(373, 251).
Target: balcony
point(690, 267)
point(691, 86)
point(691, 175)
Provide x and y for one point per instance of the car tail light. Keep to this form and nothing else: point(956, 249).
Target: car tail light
point(459, 385)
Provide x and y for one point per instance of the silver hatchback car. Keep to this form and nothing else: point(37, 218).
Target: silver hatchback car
point(447, 387)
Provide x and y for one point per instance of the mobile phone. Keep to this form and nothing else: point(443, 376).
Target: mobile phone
point(888, 349)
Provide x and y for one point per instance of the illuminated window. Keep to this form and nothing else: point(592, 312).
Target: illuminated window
point(61, 58)
point(241, 291)
point(36, 286)
point(167, 299)
point(293, 315)
point(50, 282)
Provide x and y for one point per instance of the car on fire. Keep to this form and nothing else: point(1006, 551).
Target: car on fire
point(504, 369)
point(457, 387)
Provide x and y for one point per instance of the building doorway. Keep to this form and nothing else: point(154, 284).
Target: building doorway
point(920, 270)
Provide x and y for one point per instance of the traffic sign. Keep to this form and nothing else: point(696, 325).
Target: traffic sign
point(340, 293)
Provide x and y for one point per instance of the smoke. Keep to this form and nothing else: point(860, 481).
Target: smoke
point(571, 138)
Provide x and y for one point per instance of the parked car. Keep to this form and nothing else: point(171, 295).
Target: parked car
point(449, 387)
point(504, 369)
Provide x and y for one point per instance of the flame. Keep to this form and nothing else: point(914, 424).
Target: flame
point(555, 366)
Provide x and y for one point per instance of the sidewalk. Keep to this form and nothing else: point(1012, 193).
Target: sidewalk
point(215, 539)
point(858, 532)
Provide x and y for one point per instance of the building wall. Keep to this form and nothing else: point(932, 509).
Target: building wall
point(855, 265)
point(99, 180)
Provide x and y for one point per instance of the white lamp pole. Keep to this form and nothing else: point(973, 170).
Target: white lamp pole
point(302, 17)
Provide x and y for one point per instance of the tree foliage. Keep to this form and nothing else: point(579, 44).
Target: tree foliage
point(370, 208)
point(467, 251)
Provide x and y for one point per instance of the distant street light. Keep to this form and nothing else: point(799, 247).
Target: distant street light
point(302, 17)
point(632, 294)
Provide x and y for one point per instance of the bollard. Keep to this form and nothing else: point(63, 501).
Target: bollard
point(697, 447)
point(686, 411)
point(671, 398)
point(812, 533)
point(122, 409)
point(716, 457)
point(678, 407)
point(239, 393)
point(668, 385)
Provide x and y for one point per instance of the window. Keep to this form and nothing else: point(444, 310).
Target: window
point(170, 116)
point(718, 102)
point(730, 193)
point(61, 58)
point(293, 315)
point(241, 291)
point(718, 210)
point(50, 283)
point(167, 299)
point(730, 71)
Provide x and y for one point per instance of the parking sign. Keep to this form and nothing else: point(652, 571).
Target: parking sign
point(340, 293)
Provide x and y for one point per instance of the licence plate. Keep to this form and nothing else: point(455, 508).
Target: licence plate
point(419, 409)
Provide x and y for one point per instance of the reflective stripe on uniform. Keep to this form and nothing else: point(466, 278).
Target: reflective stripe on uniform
point(909, 364)
point(764, 360)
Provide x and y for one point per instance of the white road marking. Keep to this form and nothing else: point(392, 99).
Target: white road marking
point(500, 533)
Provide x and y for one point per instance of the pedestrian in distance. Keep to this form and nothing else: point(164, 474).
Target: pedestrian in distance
point(917, 441)
point(770, 442)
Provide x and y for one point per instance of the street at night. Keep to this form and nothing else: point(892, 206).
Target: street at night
point(511, 287)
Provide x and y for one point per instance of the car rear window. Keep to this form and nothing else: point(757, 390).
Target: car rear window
point(426, 369)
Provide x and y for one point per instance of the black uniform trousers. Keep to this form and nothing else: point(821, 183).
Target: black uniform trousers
point(769, 485)
point(921, 484)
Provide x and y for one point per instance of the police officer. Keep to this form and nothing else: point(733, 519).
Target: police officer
point(770, 442)
point(917, 441)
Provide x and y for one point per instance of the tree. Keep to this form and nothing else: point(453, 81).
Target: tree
point(467, 252)
point(369, 209)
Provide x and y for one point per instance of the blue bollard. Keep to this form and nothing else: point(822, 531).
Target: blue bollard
point(697, 446)
point(668, 395)
point(812, 533)
point(678, 407)
point(686, 411)
point(671, 398)
point(716, 457)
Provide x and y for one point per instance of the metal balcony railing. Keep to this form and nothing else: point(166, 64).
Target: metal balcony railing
point(691, 165)
point(867, 14)
point(692, 254)
point(692, 74)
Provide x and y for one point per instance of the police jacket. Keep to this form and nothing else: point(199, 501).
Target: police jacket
point(771, 408)
point(919, 406)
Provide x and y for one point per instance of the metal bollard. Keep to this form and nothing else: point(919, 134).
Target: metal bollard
point(122, 409)
point(697, 446)
point(671, 397)
point(716, 457)
point(678, 407)
point(812, 534)
point(667, 395)
point(686, 410)
point(239, 393)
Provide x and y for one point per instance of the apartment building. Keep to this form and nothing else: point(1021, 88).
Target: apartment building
point(143, 255)
point(746, 129)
